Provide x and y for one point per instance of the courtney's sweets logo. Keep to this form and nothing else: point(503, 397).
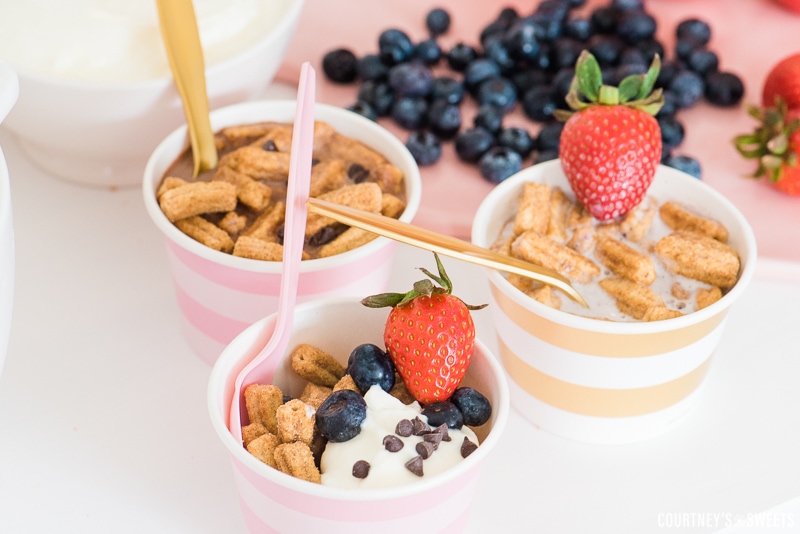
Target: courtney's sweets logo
point(717, 520)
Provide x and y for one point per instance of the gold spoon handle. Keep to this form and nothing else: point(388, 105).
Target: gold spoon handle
point(443, 244)
point(182, 42)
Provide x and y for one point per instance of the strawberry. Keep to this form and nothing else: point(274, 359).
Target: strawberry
point(783, 80)
point(791, 5)
point(610, 146)
point(776, 145)
point(430, 336)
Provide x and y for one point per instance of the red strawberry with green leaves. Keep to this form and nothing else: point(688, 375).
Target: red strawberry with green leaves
point(783, 81)
point(610, 146)
point(429, 334)
point(776, 145)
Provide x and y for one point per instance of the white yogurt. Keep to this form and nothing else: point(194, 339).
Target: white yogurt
point(387, 468)
point(120, 40)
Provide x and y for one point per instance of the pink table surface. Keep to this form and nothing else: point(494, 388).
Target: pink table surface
point(748, 35)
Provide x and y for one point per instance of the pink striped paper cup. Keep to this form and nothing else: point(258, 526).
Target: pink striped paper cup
point(219, 295)
point(603, 381)
point(275, 502)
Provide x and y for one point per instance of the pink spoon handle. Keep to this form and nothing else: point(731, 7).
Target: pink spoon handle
point(272, 343)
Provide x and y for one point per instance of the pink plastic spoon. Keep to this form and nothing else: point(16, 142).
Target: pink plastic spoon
point(272, 342)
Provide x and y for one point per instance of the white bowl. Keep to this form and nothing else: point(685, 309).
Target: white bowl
point(9, 89)
point(101, 133)
point(220, 294)
point(605, 381)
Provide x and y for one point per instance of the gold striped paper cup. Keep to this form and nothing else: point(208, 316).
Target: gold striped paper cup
point(602, 381)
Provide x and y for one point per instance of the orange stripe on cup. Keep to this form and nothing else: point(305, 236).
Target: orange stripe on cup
point(599, 402)
point(599, 343)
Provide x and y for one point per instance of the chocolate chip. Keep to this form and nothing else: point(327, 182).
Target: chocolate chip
point(442, 430)
point(361, 469)
point(270, 146)
point(467, 447)
point(326, 234)
point(314, 161)
point(434, 438)
point(415, 465)
point(425, 449)
point(392, 443)
point(420, 427)
point(404, 428)
point(357, 173)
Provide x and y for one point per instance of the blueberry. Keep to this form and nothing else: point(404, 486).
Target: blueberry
point(521, 40)
point(548, 19)
point(604, 19)
point(685, 164)
point(444, 118)
point(492, 32)
point(724, 89)
point(364, 109)
point(428, 51)
point(479, 71)
point(370, 365)
point(437, 21)
point(447, 88)
point(473, 143)
point(340, 65)
point(443, 413)
point(539, 103)
point(670, 106)
point(495, 50)
point(545, 155)
point(650, 47)
point(526, 79)
point(411, 79)
point(489, 117)
point(339, 417)
point(549, 137)
point(378, 95)
point(694, 29)
point(685, 46)
point(578, 28)
point(371, 67)
point(507, 16)
point(517, 139)
point(394, 46)
point(460, 56)
point(635, 26)
point(410, 112)
point(606, 49)
point(669, 69)
point(566, 53)
point(498, 91)
point(672, 131)
point(474, 406)
point(634, 56)
point(498, 163)
point(620, 72)
point(627, 5)
point(688, 88)
point(425, 147)
point(561, 83)
point(702, 61)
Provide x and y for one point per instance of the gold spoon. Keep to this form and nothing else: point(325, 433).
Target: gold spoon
point(443, 244)
point(182, 42)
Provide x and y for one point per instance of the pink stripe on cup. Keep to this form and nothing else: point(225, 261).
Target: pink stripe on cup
point(218, 327)
point(352, 511)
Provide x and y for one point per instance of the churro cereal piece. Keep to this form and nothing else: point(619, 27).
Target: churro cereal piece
point(632, 299)
point(295, 421)
point(252, 431)
point(583, 239)
point(352, 150)
point(679, 292)
point(624, 260)
point(660, 313)
point(347, 240)
point(206, 233)
point(707, 296)
point(279, 138)
point(251, 193)
point(316, 365)
point(262, 402)
point(323, 136)
point(296, 459)
point(237, 133)
point(263, 448)
point(327, 175)
point(233, 223)
point(257, 163)
point(533, 211)
point(346, 382)
point(543, 251)
point(265, 227)
point(197, 198)
point(314, 395)
point(635, 224)
point(560, 205)
point(699, 257)
point(170, 182)
point(257, 249)
point(366, 196)
point(608, 229)
point(579, 216)
point(388, 177)
point(392, 206)
point(546, 295)
point(523, 283)
point(679, 218)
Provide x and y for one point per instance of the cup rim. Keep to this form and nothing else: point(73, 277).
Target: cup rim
point(224, 364)
point(400, 156)
point(748, 254)
point(288, 19)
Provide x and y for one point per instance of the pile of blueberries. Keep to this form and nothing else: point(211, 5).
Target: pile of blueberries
point(526, 61)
